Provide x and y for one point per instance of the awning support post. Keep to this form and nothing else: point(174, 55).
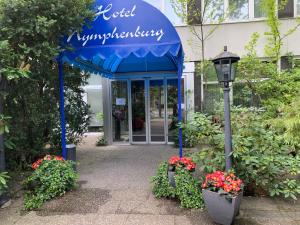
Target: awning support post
point(62, 108)
point(180, 68)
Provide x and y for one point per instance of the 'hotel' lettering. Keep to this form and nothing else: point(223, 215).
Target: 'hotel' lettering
point(122, 14)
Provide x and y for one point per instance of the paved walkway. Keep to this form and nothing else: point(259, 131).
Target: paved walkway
point(115, 190)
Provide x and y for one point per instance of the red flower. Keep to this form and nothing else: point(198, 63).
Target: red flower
point(174, 160)
point(220, 180)
point(184, 161)
point(59, 158)
point(38, 162)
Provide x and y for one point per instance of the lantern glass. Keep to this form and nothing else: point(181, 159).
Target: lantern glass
point(226, 70)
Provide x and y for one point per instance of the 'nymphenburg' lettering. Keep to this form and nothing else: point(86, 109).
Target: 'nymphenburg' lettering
point(115, 34)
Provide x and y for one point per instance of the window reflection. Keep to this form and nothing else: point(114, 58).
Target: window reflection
point(165, 6)
point(156, 3)
point(258, 12)
point(213, 10)
point(238, 9)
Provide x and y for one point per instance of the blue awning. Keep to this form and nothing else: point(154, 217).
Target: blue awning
point(125, 37)
point(128, 37)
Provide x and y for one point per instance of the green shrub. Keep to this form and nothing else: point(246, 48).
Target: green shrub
point(161, 187)
point(197, 131)
point(3, 182)
point(261, 157)
point(51, 179)
point(188, 189)
point(101, 142)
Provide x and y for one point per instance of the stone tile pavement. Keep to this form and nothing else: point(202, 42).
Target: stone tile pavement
point(115, 190)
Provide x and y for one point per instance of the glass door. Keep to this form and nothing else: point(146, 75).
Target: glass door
point(172, 109)
point(139, 125)
point(154, 110)
point(157, 111)
point(120, 130)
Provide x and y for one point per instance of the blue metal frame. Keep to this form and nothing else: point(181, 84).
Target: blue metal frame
point(62, 108)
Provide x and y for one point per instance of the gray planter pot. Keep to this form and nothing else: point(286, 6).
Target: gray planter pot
point(220, 209)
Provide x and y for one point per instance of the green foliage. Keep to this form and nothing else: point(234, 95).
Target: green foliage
point(274, 36)
point(260, 156)
point(273, 88)
point(288, 123)
point(3, 182)
point(51, 179)
point(30, 34)
point(198, 130)
point(100, 117)
point(188, 189)
point(101, 142)
point(161, 186)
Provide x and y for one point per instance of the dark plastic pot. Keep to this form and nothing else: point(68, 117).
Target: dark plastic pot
point(71, 154)
point(222, 210)
point(171, 176)
point(4, 199)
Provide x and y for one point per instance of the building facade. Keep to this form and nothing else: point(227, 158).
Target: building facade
point(152, 100)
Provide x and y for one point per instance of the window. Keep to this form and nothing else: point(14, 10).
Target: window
point(258, 12)
point(298, 7)
point(285, 8)
point(165, 7)
point(171, 14)
point(156, 3)
point(213, 10)
point(238, 9)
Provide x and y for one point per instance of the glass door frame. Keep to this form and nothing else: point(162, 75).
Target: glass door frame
point(164, 79)
point(147, 109)
point(146, 90)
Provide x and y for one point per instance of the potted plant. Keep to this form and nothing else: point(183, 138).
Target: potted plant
point(3, 188)
point(222, 194)
point(176, 161)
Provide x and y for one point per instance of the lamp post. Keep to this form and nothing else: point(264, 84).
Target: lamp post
point(225, 65)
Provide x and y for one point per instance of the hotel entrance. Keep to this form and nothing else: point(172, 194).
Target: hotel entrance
point(144, 111)
point(138, 53)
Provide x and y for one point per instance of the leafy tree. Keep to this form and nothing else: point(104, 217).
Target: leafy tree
point(274, 36)
point(30, 34)
point(197, 14)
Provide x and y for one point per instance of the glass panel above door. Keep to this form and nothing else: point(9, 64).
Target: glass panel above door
point(120, 111)
point(138, 111)
point(157, 111)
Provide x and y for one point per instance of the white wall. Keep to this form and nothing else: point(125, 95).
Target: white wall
point(236, 36)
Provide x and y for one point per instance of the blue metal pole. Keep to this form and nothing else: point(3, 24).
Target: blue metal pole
point(180, 62)
point(62, 108)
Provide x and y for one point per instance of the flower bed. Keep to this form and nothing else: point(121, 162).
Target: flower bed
point(174, 179)
point(52, 177)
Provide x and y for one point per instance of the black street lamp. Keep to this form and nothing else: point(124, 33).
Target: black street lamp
point(226, 65)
